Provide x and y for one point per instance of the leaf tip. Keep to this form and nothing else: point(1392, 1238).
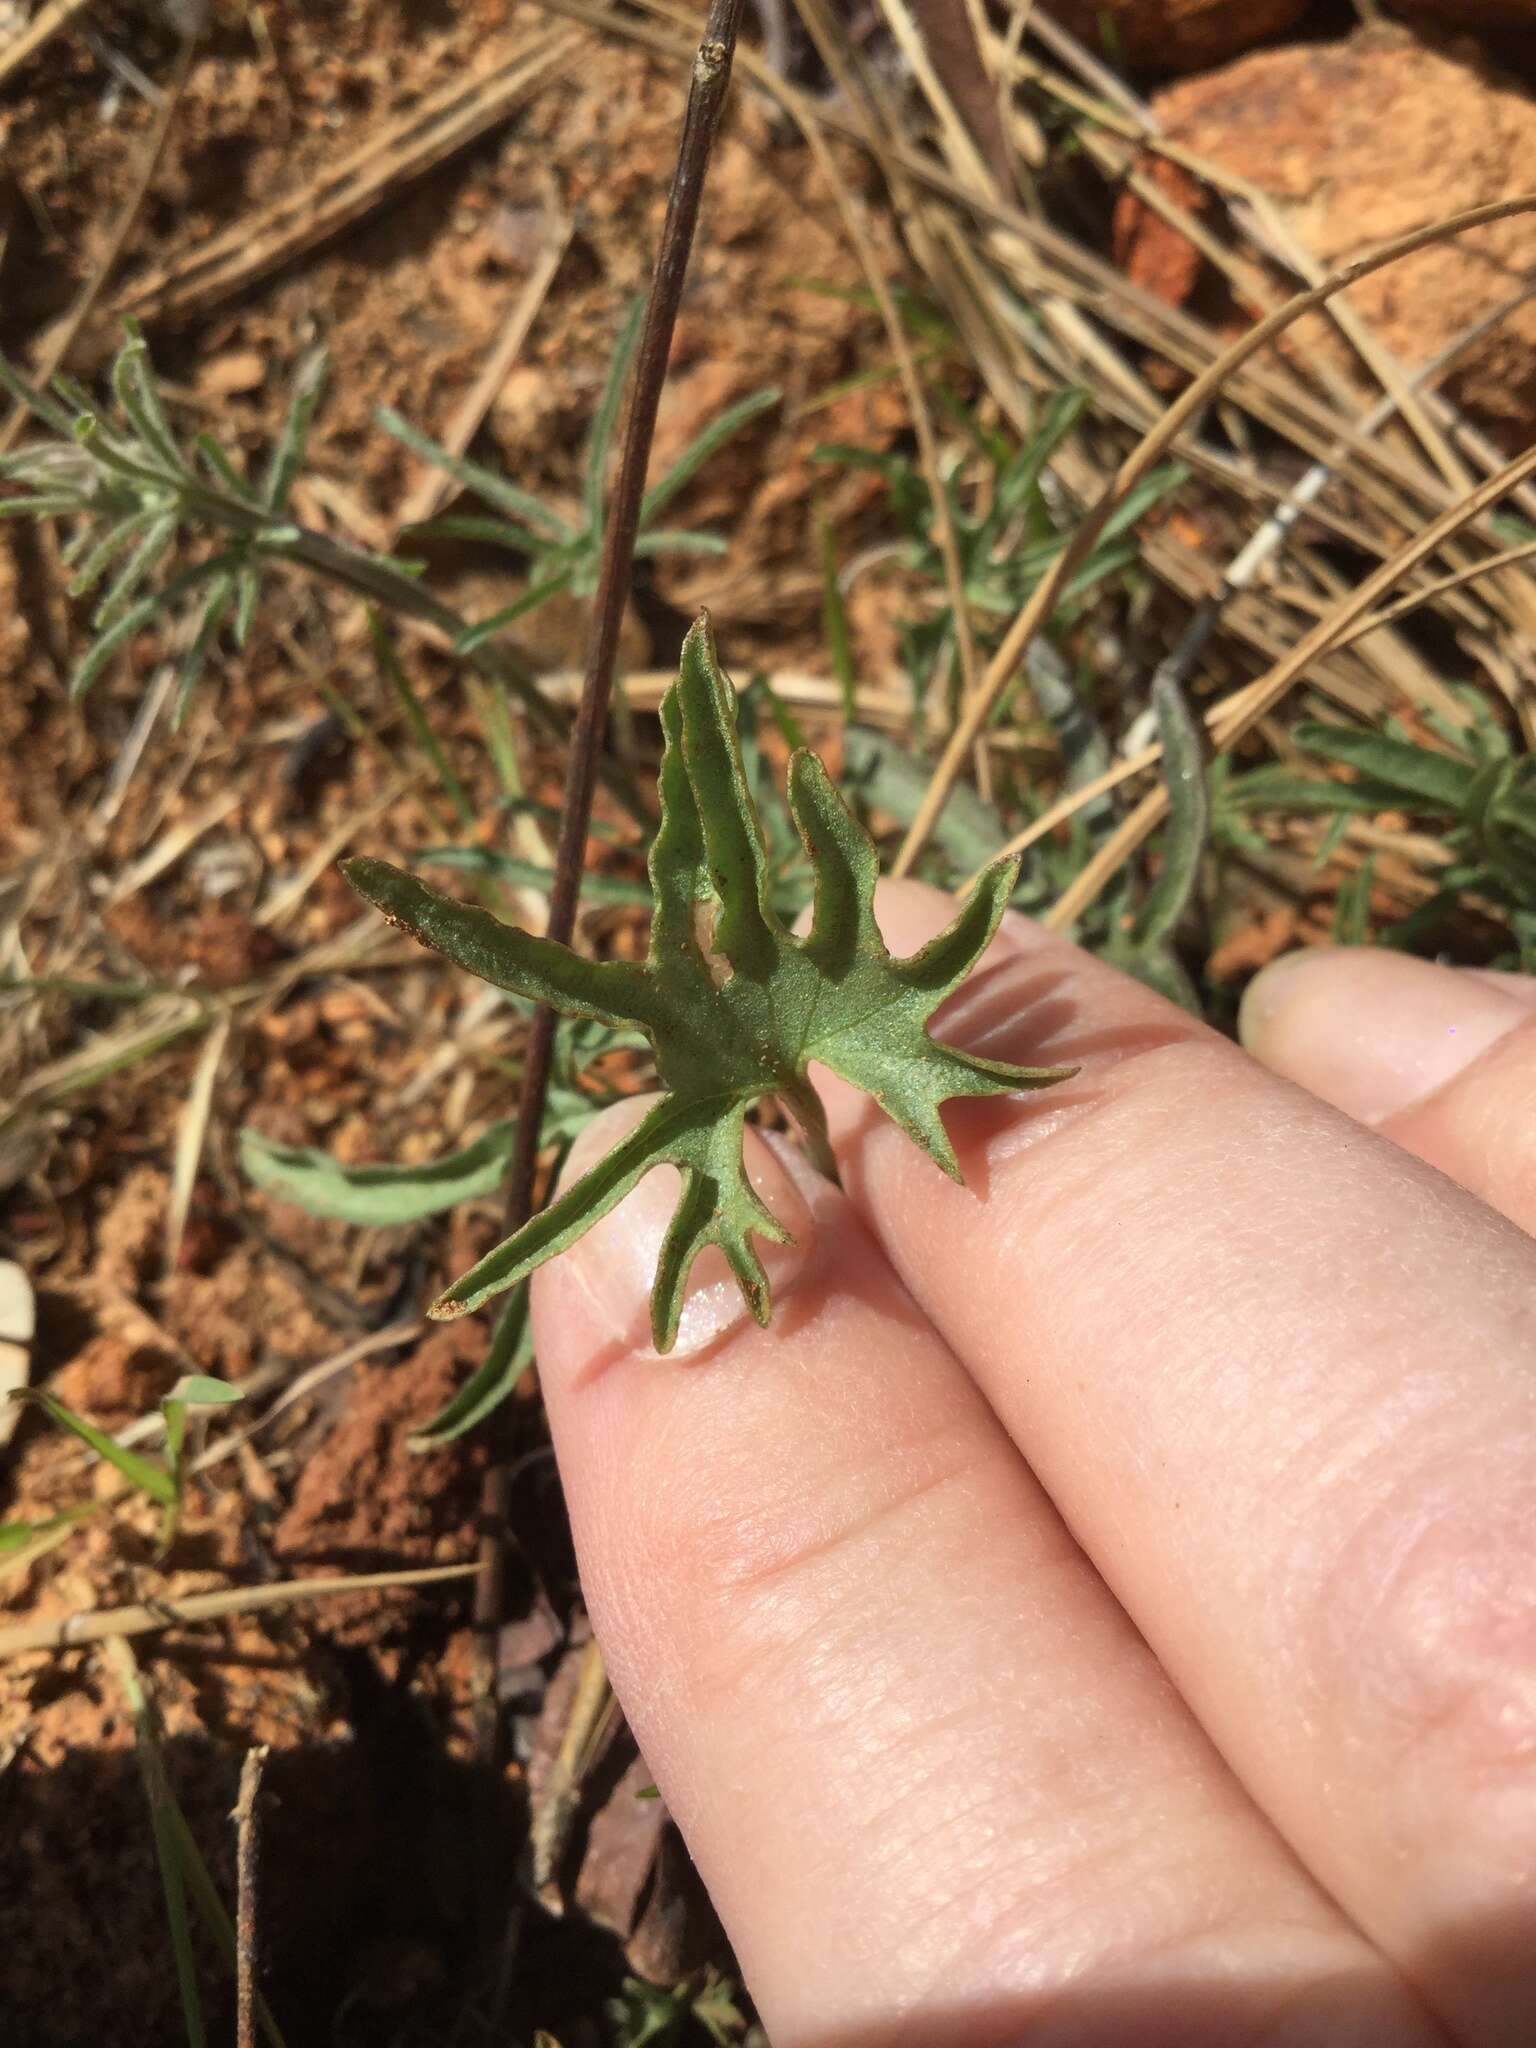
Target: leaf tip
point(700, 637)
point(373, 880)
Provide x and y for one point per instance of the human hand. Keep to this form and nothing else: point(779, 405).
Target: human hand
point(1101, 1608)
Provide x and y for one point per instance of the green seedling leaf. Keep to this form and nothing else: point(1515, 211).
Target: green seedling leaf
point(192, 1390)
point(173, 1882)
point(1019, 478)
point(17, 1536)
point(201, 1390)
point(734, 1005)
point(378, 1194)
point(147, 1474)
point(1352, 906)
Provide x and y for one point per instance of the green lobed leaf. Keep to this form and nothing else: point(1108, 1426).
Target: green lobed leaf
point(377, 1194)
point(734, 1004)
point(528, 874)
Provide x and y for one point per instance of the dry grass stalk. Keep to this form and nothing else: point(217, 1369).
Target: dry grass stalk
point(93, 1624)
point(438, 128)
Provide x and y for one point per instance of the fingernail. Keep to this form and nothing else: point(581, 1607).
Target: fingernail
point(615, 1263)
point(1369, 1030)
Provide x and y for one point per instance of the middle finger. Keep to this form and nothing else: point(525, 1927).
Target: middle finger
point(1277, 1376)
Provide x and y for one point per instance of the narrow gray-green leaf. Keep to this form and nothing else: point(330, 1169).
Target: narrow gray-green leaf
point(1397, 766)
point(495, 488)
point(606, 418)
point(147, 1474)
point(498, 621)
point(834, 619)
point(699, 450)
point(1189, 815)
point(139, 615)
point(378, 1195)
point(216, 608)
point(509, 1357)
point(288, 451)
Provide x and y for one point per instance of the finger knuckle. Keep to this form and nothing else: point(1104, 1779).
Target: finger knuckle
point(1429, 1617)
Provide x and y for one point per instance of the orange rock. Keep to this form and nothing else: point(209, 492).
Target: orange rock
point(1152, 252)
point(1364, 140)
point(1175, 35)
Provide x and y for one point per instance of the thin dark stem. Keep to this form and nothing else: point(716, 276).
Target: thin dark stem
point(247, 1850)
point(706, 101)
point(701, 122)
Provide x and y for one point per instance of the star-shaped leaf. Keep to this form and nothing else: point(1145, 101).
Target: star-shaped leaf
point(735, 1005)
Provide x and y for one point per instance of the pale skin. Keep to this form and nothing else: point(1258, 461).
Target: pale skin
point(1101, 1608)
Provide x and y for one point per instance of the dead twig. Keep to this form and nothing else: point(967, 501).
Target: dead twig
point(554, 1817)
point(91, 1624)
point(41, 29)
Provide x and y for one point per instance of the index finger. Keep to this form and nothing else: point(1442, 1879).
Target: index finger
point(1277, 1376)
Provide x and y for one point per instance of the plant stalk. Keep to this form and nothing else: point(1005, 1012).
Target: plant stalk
point(247, 1818)
point(701, 121)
